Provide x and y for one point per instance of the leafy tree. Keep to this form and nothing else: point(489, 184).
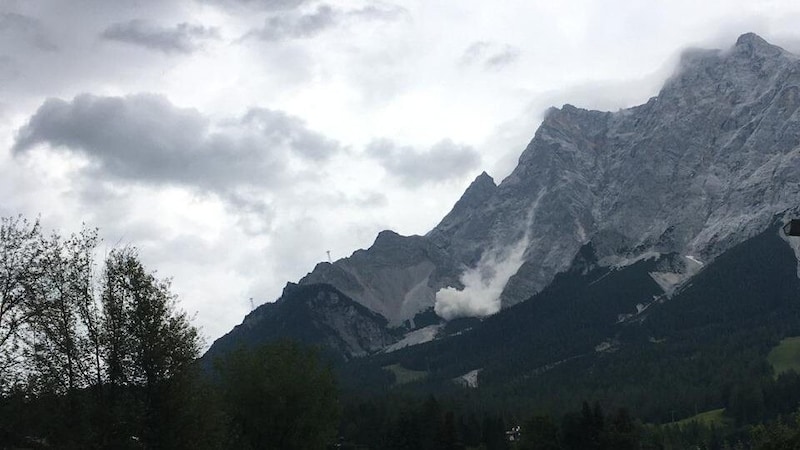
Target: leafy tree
point(429, 420)
point(63, 320)
point(540, 433)
point(91, 363)
point(21, 253)
point(471, 431)
point(449, 438)
point(622, 433)
point(148, 341)
point(780, 435)
point(279, 396)
point(494, 433)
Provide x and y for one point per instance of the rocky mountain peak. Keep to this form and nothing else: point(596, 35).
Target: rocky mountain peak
point(751, 44)
point(483, 178)
point(464, 216)
point(478, 191)
point(750, 58)
point(386, 238)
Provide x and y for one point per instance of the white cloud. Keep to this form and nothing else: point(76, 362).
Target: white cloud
point(489, 55)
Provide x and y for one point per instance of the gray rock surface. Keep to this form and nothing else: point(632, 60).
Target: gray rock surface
point(314, 314)
point(702, 166)
point(349, 330)
point(397, 277)
point(695, 170)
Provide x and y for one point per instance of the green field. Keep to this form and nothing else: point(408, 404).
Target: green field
point(714, 417)
point(785, 356)
point(403, 375)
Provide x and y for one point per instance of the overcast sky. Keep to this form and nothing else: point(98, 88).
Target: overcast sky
point(234, 142)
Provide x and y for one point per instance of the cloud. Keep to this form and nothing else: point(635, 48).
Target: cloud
point(254, 215)
point(7, 68)
point(489, 55)
point(444, 160)
point(384, 11)
point(298, 25)
point(483, 284)
point(21, 28)
point(144, 138)
point(263, 5)
point(280, 127)
point(369, 200)
point(502, 58)
point(182, 38)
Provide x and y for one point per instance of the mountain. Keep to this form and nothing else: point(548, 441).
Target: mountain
point(676, 183)
point(314, 314)
point(397, 277)
point(695, 170)
point(611, 334)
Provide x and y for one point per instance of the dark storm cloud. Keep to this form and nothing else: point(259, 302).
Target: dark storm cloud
point(489, 55)
point(182, 38)
point(442, 161)
point(20, 28)
point(144, 138)
point(298, 25)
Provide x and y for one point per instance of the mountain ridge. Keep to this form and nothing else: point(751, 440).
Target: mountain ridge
point(704, 165)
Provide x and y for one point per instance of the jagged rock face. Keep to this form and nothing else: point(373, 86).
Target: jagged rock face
point(397, 277)
point(351, 330)
point(316, 314)
point(695, 170)
point(468, 221)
